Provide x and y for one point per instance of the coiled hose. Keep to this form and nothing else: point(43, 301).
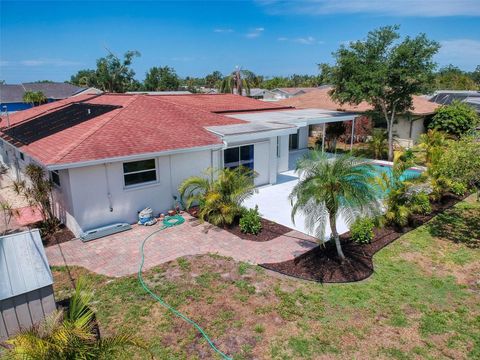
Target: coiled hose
point(171, 221)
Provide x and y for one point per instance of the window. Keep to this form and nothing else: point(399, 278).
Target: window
point(139, 172)
point(22, 157)
point(293, 141)
point(241, 155)
point(55, 177)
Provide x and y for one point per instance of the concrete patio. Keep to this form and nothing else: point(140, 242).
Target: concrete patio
point(119, 254)
point(273, 203)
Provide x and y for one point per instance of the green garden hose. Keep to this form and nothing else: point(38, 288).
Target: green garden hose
point(171, 221)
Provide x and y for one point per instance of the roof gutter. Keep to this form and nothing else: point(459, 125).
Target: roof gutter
point(133, 157)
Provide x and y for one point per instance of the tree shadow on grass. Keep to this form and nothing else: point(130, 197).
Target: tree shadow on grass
point(460, 225)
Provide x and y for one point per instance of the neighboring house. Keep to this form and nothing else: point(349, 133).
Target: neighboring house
point(11, 96)
point(26, 293)
point(112, 155)
point(260, 94)
point(287, 93)
point(446, 97)
point(408, 126)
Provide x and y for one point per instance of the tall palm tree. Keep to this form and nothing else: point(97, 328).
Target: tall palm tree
point(69, 335)
point(331, 187)
point(236, 82)
point(219, 194)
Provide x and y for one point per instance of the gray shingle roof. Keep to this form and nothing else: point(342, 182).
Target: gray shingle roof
point(14, 93)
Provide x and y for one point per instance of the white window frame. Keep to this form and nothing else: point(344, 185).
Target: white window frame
point(146, 183)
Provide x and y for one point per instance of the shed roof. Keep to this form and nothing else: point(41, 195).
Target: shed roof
point(23, 264)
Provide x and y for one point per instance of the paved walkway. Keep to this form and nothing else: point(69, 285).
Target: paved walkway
point(119, 254)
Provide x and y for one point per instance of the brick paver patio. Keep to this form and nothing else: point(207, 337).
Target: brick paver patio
point(119, 254)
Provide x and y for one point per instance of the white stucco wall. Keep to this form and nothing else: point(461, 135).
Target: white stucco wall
point(94, 207)
point(402, 129)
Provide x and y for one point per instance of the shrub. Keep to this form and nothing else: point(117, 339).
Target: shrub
point(362, 230)
point(250, 222)
point(420, 203)
point(458, 188)
point(455, 119)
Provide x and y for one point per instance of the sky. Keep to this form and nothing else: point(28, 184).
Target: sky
point(42, 40)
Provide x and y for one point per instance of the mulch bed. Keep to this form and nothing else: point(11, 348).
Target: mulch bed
point(321, 264)
point(270, 229)
point(60, 236)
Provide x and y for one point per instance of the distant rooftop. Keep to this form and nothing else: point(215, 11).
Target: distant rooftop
point(446, 97)
point(13, 93)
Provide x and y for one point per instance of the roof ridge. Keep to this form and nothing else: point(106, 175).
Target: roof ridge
point(90, 133)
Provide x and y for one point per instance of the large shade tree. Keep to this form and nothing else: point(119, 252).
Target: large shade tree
point(329, 188)
point(384, 72)
point(115, 74)
point(161, 79)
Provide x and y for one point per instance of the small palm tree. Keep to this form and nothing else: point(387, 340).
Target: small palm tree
point(69, 335)
point(331, 187)
point(432, 143)
point(378, 144)
point(395, 186)
point(236, 82)
point(219, 194)
point(34, 97)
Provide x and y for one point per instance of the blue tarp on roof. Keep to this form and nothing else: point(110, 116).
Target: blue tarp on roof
point(23, 264)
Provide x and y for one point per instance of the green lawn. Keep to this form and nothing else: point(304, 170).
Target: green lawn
point(423, 301)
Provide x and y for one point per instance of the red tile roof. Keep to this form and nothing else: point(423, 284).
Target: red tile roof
point(135, 124)
point(223, 103)
point(321, 99)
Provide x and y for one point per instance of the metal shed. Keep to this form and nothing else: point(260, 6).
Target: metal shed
point(26, 292)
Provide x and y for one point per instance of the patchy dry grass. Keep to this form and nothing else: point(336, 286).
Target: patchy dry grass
point(422, 302)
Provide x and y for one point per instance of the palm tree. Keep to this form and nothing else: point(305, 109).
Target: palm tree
point(69, 335)
point(34, 97)
point(236, 82)
point(378, 144)
point(432, 143)
point(331, 187)
point(219, 194)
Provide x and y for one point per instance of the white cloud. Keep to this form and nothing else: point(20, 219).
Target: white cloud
point(417, 8)
point(308, 40)
point(220, 30)
point(464, 53)
point(255, 33)
point(50, 62)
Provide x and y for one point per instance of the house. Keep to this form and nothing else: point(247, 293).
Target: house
point(446, 97)
point(408, 126)
point(26, 292)
point(288, 92)
point(111, 155)
point(11, 96)
point(260, 94)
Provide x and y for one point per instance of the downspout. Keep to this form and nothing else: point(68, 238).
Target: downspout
point(109, 195)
